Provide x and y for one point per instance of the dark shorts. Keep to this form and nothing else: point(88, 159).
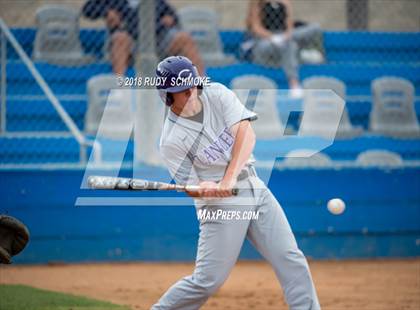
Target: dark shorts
point(163, 42)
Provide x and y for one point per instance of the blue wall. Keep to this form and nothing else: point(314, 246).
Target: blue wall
point(382, 216)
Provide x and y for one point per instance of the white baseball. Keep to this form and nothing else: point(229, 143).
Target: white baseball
point(336, 206)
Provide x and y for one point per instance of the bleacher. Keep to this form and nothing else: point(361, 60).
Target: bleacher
point(352, 57)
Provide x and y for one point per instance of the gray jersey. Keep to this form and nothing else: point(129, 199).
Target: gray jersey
point(194, 151)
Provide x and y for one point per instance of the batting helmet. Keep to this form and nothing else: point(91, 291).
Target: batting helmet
point(177, 73)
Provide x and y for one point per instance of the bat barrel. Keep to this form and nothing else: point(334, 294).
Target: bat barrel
point(112, 183)
point(101, 182)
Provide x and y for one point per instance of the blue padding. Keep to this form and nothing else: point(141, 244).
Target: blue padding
point(44, 150)
point(26, 38)
point(26, 150)
point(372, 47)
point(93, 41)
point(340, 149)
point(381, 217)
point(18, 72)
point(39, 115)
point(372, 40)
point(231, 40)
point(182, 248)
point(38, 150)
point(375, 56)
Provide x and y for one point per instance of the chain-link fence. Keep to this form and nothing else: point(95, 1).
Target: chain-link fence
point(367, 51)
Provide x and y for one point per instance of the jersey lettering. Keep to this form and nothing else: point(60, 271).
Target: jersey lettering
point(217, 149)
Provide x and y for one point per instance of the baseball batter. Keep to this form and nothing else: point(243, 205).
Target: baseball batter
point(208, 140)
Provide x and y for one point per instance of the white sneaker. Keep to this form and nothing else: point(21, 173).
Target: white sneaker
point(311, 56)
point(278, 39)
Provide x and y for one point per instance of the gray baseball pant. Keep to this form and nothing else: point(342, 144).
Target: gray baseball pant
point(266, 53)
point(219, 245)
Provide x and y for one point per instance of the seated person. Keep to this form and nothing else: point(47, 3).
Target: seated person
point(122, 22)
point(274, 36)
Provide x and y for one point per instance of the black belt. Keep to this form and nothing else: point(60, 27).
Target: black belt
point(246, 173)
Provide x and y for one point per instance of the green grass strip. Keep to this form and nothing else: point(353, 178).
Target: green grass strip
point(21, 297)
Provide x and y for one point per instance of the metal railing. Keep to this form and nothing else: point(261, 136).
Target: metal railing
point(6, 35)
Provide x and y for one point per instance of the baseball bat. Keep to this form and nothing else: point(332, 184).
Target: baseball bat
point(113, 183)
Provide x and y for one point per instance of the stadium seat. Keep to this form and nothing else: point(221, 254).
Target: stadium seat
point(202, 23)
point(303, 159)
point(57, 38)
point(317, 125)
point(116, 122)
point(356, 58)
point(379, 158)
point(260, 94)
point(322, 113)
point(393, 112)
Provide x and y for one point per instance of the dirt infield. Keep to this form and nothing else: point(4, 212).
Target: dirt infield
point(370, 285)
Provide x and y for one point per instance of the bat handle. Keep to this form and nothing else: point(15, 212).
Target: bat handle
point(235, 191)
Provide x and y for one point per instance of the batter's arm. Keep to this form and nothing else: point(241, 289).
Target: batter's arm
point(241, 151)
point(180, 166)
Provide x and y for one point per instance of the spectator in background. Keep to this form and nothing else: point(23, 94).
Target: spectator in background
point(274, 36)
point(121, 18)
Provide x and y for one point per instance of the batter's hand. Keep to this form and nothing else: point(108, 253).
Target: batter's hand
point(209, 189)
point(225, 187)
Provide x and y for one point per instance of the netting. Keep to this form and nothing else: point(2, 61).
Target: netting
point(370, 48)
